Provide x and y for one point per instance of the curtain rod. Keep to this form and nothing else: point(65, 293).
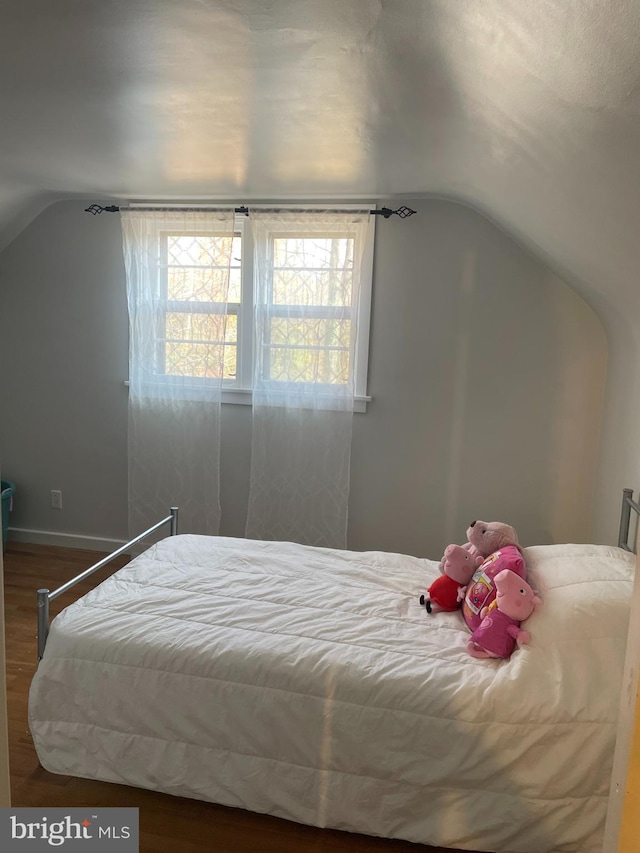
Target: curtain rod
point(402, 212)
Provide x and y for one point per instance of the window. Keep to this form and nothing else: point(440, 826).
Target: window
point(308, 332)
point(200, 318)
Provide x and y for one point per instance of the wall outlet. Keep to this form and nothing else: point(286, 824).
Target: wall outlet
point(56, 499)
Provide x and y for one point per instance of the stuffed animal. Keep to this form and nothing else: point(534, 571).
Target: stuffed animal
point(500, 630)
point(447, 592)
point(498, 544)
point(485, 537)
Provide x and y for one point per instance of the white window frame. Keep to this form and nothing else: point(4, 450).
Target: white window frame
point(240, 390)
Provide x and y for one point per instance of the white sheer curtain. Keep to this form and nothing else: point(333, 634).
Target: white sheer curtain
point(307, 286)
point(178, 268)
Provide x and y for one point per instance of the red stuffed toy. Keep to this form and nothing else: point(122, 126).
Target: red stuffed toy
point(447, 592)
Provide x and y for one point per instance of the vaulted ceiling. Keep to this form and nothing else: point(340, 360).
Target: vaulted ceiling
point(528, 110)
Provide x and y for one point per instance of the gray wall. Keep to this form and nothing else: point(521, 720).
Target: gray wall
point(487, 374)
point(63, 361)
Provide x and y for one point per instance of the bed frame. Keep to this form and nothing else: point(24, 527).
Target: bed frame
point(45, 596)
point(628, 504)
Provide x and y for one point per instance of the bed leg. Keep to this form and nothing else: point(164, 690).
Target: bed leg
point(43, 621)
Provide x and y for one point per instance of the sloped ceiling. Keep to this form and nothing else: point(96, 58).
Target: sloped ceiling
point(529, 111)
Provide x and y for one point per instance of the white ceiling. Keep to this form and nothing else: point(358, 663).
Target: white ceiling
point(528, 110)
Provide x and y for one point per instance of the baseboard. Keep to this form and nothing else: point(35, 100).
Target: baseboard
point(63, 540)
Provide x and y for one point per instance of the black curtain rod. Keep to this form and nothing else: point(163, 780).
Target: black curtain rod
point(402, 212)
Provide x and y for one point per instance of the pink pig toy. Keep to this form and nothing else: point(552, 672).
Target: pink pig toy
point(447, 592)
point(499, 631)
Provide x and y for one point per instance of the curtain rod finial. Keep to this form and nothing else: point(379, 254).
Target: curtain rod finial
point(403, 212)
point(96, 208)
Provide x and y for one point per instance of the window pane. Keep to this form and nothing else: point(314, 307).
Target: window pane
point(200, 360)
point(312, 287)
point(204, 250)
point(213, 328)
point(312, 270)
point(197, 285)
point(330, 367)
point(198, 344)
point(204, 267)
point(235, 289)
point(313, 252)
point(310, 332)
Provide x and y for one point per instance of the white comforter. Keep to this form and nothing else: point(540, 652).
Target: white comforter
point(310, 684)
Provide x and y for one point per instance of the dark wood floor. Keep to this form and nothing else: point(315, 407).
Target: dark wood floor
point(166, 823)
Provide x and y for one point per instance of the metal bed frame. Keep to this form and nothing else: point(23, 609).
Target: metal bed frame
point(45, 596)
point(628, 504)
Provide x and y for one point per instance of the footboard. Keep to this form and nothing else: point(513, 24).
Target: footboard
point(45, 596)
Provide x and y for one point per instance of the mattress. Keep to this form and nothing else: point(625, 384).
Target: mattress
point(308, 683)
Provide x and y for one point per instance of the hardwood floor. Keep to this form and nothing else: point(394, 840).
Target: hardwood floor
point(167, 824)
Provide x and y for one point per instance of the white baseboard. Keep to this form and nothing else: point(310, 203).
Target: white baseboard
point(63, 540)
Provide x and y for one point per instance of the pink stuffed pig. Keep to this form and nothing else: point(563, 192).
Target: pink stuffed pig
point(447, 592)
point(498, 543)
point(499, 631)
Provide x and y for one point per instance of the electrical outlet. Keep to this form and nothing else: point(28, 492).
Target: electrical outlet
point(56, 499)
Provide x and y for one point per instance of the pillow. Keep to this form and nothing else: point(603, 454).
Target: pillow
point(482, 589)
point(586, 593)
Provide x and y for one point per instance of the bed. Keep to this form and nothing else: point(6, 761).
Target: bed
point(308, 683)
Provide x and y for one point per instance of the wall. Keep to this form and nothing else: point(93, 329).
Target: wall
point(487, 375)
point(63, 359)
point(619, 460)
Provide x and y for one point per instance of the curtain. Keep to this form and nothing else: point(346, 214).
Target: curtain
point(181, 340)
point(307, 287)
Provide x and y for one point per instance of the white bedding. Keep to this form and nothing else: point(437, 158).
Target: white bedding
point(309, 684)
